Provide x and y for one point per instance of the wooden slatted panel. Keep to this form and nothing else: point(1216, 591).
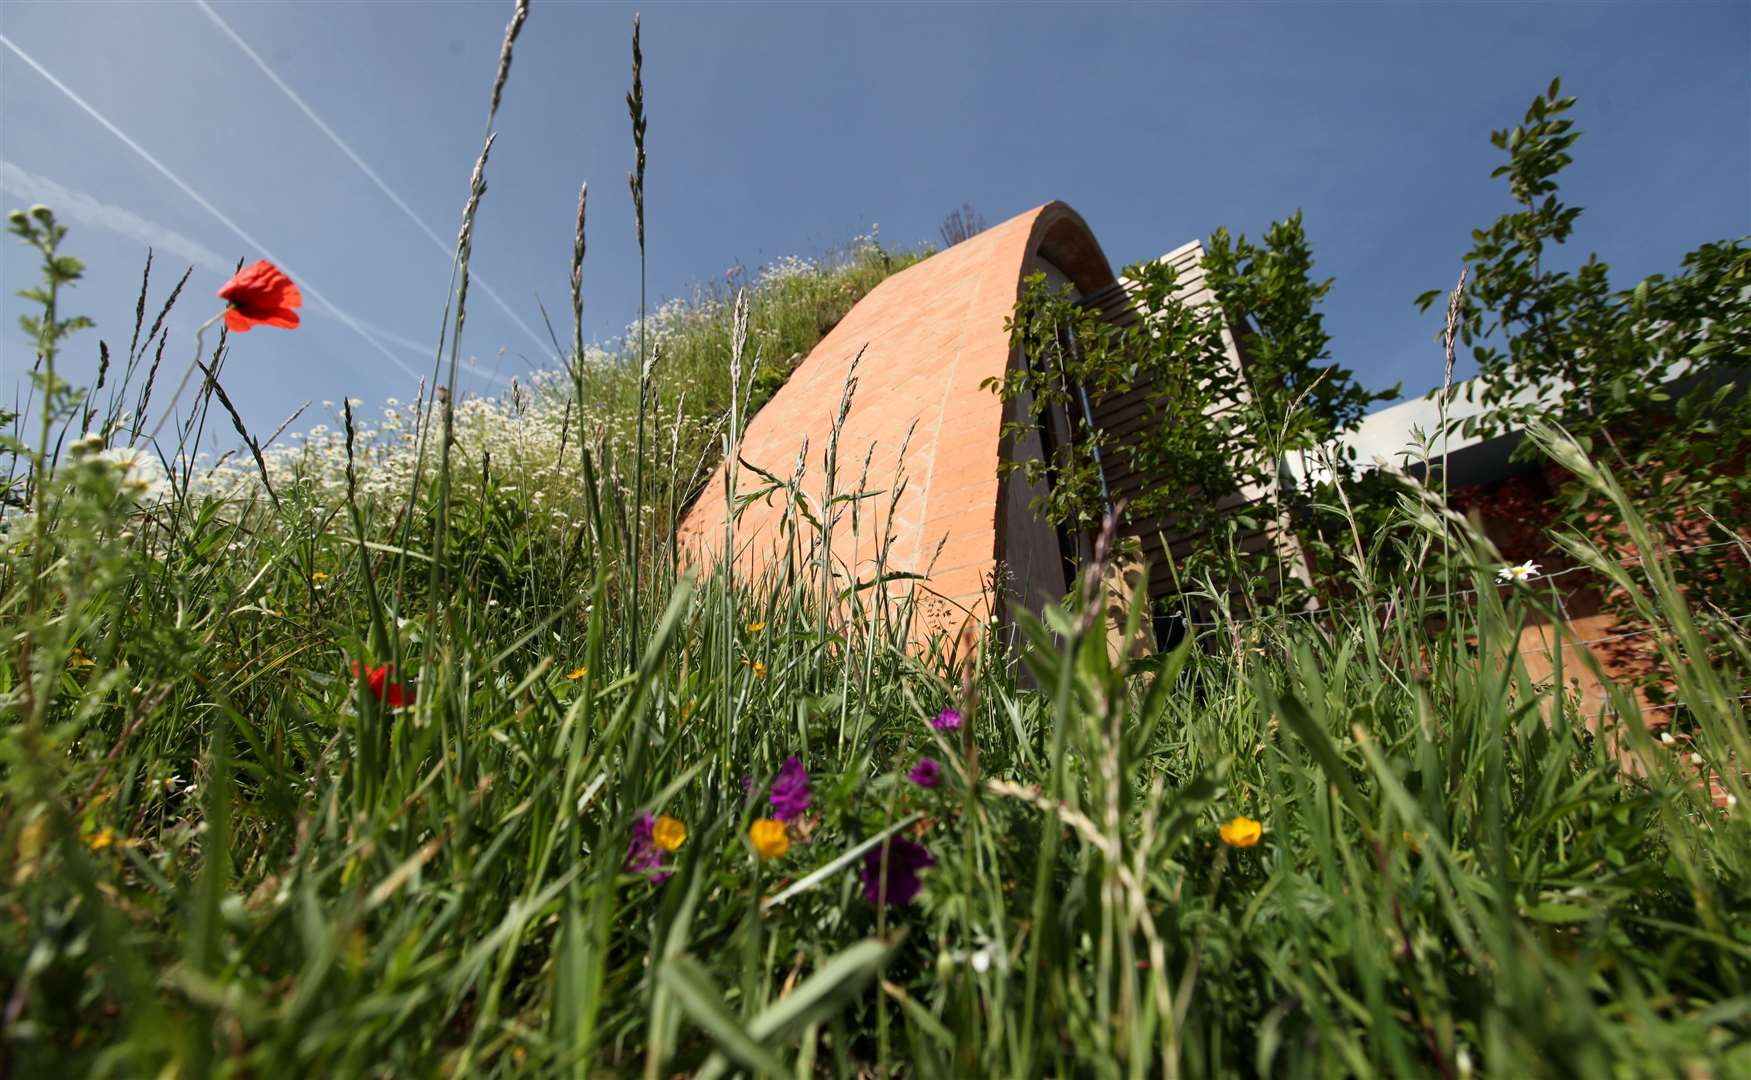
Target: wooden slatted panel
point(1121, 416)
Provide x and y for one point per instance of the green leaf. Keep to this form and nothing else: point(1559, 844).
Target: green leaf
point(817, 998)
point(1319, 744)
point(704, 1005)
point(1559, 913)
point(823, 993)
point(921, 1017)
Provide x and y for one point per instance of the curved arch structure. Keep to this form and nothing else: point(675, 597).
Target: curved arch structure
point(929, 337)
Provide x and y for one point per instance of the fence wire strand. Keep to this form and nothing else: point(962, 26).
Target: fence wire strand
point(1633, 560)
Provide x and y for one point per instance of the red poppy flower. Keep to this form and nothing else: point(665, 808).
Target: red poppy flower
point(261, 294)
point(392, 694)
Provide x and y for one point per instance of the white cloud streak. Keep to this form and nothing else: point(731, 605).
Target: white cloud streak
point(304, 280)
point(87, 210)
point(447, 249)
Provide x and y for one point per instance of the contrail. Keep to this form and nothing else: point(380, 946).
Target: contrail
point(448, 249)
point(304, 281)
point(88, 210)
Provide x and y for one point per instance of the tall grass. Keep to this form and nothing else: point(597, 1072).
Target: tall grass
point(227, 855)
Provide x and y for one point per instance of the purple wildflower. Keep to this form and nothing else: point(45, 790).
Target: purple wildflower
point(926, 773)
point(790, 792)
point(642, 852)
point(947, 720)
point(905, 859)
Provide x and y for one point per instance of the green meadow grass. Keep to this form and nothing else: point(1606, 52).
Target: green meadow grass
point(226, 855)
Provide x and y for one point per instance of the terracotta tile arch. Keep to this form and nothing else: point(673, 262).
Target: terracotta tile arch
point(929, 336)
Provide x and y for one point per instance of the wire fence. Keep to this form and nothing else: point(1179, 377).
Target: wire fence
point(1680, 704)
point(1560, 644)
point(1633, 560)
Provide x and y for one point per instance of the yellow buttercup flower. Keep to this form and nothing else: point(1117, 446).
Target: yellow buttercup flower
point(80, 660)
point(756, 627)
point(577, 673)
point(101, 840)
point(769, 838)
point(318, 577)
point(668, 833)
point(1241, 832)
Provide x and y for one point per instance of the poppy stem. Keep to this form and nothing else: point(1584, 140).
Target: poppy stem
point(170, 407)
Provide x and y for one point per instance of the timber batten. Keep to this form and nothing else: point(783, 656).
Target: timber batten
point(1123, 417)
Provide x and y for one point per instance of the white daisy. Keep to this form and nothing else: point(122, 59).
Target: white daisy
point(143, 475)
point(1526, 571)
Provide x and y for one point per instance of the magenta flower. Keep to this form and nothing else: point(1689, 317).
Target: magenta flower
point(642, 852)
point(927, 773)
point(790, 792)
point(947, 720)
point(905, 859)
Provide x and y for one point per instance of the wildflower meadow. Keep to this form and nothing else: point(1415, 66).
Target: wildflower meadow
point(413, 746)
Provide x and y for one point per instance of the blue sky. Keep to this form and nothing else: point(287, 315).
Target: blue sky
point(788, 129)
